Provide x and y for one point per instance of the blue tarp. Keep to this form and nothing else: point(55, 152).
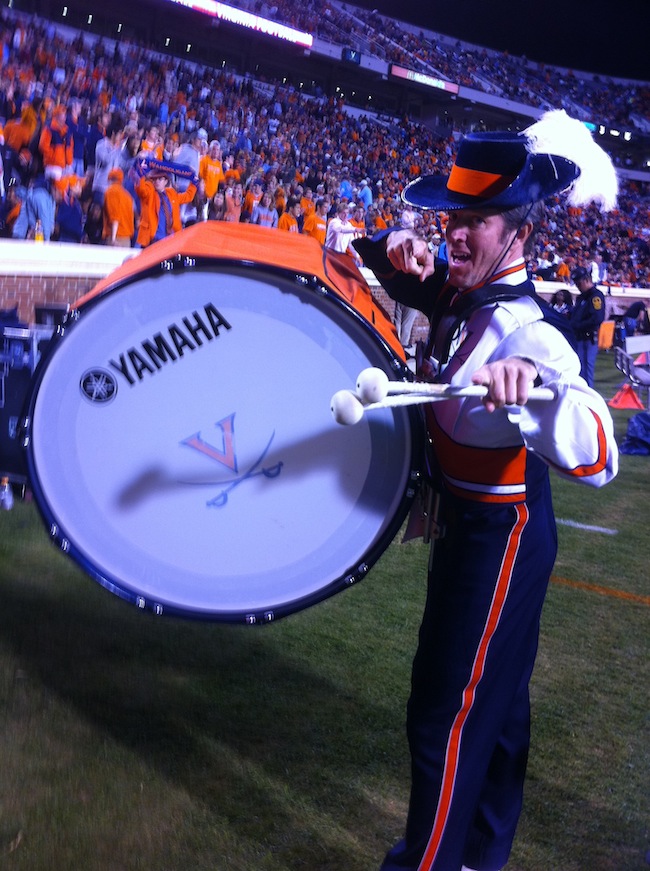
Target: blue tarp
point(637, 439)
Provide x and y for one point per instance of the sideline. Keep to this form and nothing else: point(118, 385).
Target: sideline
point(602, 591)
point(586, 527)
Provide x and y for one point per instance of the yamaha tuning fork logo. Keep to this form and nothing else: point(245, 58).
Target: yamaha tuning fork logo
point(98, 385)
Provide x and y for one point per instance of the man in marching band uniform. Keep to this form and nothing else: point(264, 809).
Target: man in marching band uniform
point(468, 713)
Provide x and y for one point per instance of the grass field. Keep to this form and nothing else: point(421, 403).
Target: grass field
point(135, 742)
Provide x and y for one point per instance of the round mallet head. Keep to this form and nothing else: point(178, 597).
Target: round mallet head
point(372, 385)
point(346, 408)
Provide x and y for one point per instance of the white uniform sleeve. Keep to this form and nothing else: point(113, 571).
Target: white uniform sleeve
point(574, 433)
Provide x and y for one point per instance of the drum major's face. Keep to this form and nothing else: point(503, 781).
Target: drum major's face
point(476, 239)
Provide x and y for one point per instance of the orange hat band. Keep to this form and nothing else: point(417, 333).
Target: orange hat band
point(476, 183)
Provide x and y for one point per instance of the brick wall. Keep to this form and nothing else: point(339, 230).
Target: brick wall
point(58, 273)
point(32, 274)
point(420, 327)
point(27, 291)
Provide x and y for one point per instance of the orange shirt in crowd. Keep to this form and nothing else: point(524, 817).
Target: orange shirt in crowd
point(119, 212)
point(250, 201)
point(315, 226)
point(211, 171)
point(151, 150)
point(288, 222)
point(280, 200)
point(308, 206)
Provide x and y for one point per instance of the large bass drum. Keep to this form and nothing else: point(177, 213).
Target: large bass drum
point(180, 444)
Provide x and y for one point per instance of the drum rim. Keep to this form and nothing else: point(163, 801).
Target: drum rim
point(357, 571)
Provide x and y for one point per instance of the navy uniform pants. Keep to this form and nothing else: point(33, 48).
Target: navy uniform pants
point(468, 718)
point(587, 350)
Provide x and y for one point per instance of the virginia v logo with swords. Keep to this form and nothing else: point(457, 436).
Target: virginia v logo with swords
point(226, 455)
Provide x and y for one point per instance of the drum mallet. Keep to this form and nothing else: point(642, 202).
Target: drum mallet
point(375, 391)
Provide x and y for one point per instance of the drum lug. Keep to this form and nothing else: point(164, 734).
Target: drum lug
point(63, 543)
point(307, 280)
point(416, 482)
point(156, 607)
point(71, 317)
point(361, 571)
point(183, 261)
point(252, 620)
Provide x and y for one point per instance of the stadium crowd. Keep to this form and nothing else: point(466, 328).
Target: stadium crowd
point(79, 116)
point(590, 97)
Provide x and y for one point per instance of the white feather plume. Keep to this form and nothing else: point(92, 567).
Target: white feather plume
point(556, 133)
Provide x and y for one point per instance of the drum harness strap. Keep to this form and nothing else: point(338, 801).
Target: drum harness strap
point(451, 311)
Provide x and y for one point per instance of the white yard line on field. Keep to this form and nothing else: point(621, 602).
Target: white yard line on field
point(586, 527)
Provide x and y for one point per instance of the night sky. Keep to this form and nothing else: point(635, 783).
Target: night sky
point(606, 38)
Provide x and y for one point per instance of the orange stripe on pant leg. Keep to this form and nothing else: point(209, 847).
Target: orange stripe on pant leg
point(469, 694)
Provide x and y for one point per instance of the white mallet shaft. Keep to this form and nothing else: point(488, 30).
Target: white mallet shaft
point(348, 408)
point(373, 386)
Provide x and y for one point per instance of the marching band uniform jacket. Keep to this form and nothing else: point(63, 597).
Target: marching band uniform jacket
point(573, 434)
point(468, 714)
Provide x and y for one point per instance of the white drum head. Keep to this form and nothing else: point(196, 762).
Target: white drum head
point(182, 449)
